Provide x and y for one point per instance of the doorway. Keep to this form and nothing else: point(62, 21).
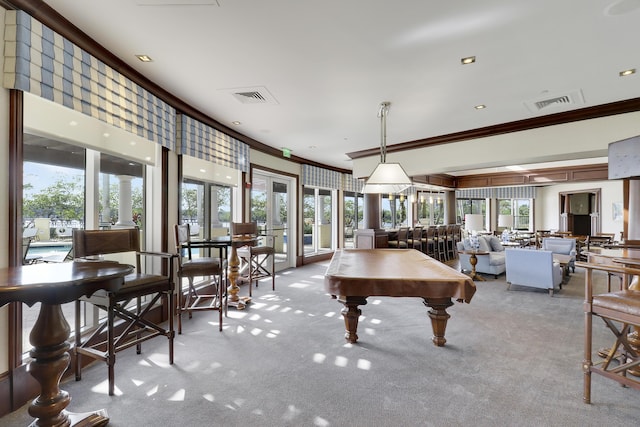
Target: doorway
point(580, 212)
point(271, 208)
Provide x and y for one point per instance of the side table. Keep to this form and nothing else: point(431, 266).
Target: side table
point(53, 285)
point(473, 260)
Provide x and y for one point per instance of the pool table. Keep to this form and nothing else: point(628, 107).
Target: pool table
point(355, 274)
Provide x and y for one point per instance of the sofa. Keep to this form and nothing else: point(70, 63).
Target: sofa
point(559, 245)
point(493, 263)
point(533, 268)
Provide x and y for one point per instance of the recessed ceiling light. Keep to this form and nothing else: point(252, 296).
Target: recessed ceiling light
point(203, 171)
point(236, 123)
point(480, 107)
point(468, 60)
point(627, 72)
point(144, 58)
point(313, 147)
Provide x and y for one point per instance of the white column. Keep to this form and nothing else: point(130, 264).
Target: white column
point(106, 190)
point(125, 210)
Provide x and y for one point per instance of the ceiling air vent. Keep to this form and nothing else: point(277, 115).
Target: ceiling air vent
point(556, 102)
point(252, 95)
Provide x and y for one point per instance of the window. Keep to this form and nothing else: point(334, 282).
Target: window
point(353, 216)
point(471, 206)
point(520, 209)
point(55, 200)
point(53, 204)
point(430, 208)
point(206, 207)
point(317, 220)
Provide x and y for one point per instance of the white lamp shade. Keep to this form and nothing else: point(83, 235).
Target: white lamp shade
point(505, 221)
point(473, 222)
point(387, 178)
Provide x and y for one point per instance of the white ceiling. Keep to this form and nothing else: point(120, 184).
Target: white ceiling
point(324, 67)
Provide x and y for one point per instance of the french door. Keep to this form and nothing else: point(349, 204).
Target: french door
point(272, 209)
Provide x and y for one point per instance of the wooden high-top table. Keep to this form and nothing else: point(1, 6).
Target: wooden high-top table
point(355, 274)
point(53, 285)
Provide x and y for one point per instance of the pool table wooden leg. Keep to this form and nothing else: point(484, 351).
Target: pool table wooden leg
point(439, 317)
point(351, 314)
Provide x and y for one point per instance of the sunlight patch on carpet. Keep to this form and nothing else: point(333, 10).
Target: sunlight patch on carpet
point(237, 314)
point(319, 358)
point(103, 388)
point(298, 285)
point(320, 422)
point(364, 364)
point(341, 361)
point(273, 334)
point(178, 396)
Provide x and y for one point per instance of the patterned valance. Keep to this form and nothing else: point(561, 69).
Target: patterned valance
point(474, 193)
point(523, 192)
point(204, 142)
point(42, 62)
point(349, 183)
point(318, 177)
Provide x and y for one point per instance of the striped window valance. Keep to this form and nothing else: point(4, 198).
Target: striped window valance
point(207, 143)
point(474, 193)
point(318, 177)
point(523, 192)
point(42, 62)
point(349, 183)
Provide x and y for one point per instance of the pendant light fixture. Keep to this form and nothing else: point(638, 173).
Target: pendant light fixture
point(386, 177)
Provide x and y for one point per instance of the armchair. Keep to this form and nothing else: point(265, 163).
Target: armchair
point(130, 304)
point(533, 268)
point(561, 245)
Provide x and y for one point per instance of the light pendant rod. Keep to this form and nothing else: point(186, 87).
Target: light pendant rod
point(386, 177)
point(382, 113)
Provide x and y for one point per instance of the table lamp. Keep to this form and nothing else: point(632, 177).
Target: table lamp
point(505, 221)
point(473, 223)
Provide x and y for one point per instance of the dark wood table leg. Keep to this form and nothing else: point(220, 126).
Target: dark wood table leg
point(51, 358)
point(351, 314)
point(439, 317)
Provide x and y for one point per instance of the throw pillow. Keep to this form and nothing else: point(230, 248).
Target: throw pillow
point(467, 245)
point(496, 245)
point(484, 244)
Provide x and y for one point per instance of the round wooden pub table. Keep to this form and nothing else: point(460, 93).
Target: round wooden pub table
point(53, 285)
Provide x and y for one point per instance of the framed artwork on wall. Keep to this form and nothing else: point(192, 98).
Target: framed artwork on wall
point(617, 211)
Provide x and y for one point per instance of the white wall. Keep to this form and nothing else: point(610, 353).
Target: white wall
point(547, 205)
point(278, 163)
